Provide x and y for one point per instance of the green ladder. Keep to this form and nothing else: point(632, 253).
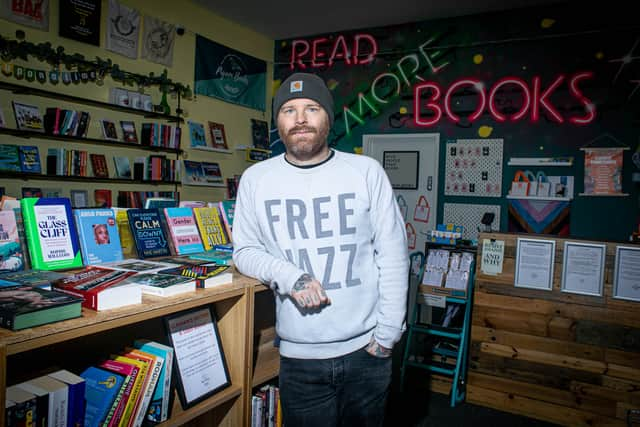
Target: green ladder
point(457, 335)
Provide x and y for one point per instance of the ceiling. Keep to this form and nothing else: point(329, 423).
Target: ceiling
point(289, 18)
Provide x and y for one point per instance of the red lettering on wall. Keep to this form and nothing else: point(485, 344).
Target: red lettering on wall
point(364, 49)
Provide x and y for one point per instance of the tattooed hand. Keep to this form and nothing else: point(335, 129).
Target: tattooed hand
point(308, 292)
point(375, 349)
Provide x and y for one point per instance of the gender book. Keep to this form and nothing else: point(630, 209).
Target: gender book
point(99, 236)
point(183, 230)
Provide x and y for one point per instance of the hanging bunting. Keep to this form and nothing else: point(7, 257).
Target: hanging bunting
point(123, 28)
point(66, 77)
point(157, 41)
point(7, 69)
point(18, 72)
point(30, 74)
point(80, 20)
point(54, 77)
point(41, 76)
point(34, 13)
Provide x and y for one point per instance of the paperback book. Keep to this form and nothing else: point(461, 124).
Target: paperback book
point(197, 135)
point(148, 233)
point(99, 237)
point(206, 275)
point(11, 255)
point(218, 137)
point(162, 285)
point(38, 278)
point(129, 133)
point(109, 131)
point(214, 256)
point(102, 387)
point(138, 265)
point(211, 226)
point(30, 159)
point(28, 117)
point(99, 165)
point(10, 158)
point(130, 373)
point(158, 410)
point(76, 402)
point(183, 230)
point(51, 236)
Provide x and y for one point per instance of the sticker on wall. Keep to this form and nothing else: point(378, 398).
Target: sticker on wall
point(422, 210)
point(411, 235)
point(402, 204)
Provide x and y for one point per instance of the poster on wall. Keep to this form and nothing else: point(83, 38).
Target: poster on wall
point(474, 168)
point(123, 28)
point(80, 20)
point(402, 168)
point(157, 41)
point(33, 14)
point(539, 216)
point(229, 75)
point(602, 171)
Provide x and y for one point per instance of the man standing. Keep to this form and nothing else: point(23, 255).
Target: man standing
point(323, 230)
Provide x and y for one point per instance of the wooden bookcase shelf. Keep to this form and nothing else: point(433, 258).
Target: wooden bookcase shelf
point(42, 177)
point(82, 341)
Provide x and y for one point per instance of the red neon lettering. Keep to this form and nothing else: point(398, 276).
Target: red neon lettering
point(527, 98)
point(315, 53)
point(296, 56)
point(431, 105)
point(447, 99)
point(589, 107)
point(356, 49)
point(542, 99)
point(340, 43)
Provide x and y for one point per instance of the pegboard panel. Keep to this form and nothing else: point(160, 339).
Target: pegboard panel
point(469, 216)
point(474, 168)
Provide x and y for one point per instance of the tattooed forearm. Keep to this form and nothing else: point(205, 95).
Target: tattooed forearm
point(302, 282)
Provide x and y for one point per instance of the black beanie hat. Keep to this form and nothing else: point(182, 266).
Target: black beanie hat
point(304, 85)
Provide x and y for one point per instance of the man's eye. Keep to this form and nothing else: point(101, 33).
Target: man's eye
point(313, 109)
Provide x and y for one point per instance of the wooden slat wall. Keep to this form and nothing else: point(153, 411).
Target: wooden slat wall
point(569, 359)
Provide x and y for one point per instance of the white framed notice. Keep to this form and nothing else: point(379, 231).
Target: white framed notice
point(201, 366)
point(626, 278)
point(583, 268)
point(534, 264)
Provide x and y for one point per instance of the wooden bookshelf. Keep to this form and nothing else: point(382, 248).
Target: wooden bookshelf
point(91, 179)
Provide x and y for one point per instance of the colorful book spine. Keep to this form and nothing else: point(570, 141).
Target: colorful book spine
point(131, 373)
point(158, 410)
point(183, 230)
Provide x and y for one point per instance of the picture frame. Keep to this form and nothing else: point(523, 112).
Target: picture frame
point(28, 117)
point(109, 131)
point(626, 277)
point(583, 268)
point(200, 364)
point(79, 198)
point(539, 259)
point(402, 168)
point(196, 134)
point(218, 136)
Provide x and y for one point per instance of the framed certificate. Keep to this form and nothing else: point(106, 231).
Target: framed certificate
point(626, 278)
point(201, 369)
point(534, 264)
point(583, 268)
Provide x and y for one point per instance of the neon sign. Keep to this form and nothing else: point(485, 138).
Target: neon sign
point(319, 53)
point(535, 99)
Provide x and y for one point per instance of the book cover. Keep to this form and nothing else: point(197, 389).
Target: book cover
point(102, 198)
point(109, 131)
point(260, 133)
point(58, 397)
point(24, 406)
point(11, 255)
point(99, 165)
point(51, 235)
point(197, 135)
point(83, 124)
point(192, 173)
point(100, 288)
point(126, 238)
point(10, 158)
point(162, 285)
point(28, 117)
point(183, 230)
point(148, 234)
point(41, 415)
point(212, 173)
point(123, 167)
point(130, 373)
point(129, 133)
point(129, 411)
point(227, 211)
point(76, 400)
point(206, 275)
point(31, 192)
point(99, 236)
point(30, 159)
point(102, 387)
point(218, 137)
point(214, 256)
point(160, 203)
point(15, 206)
point(159, 407)
point(138, 266)
point(37, 278)
point(211, 227)
point(25, 306)
point(154, 367)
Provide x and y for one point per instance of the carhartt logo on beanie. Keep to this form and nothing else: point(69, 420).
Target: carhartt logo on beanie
point(304, 85)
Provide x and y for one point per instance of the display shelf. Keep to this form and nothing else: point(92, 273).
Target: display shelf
point(216, 150)
point(91, 141)
point(509, 196)
point(267, 364)
point(603, 195)
point(91, 179)
point(27, 90)
point(540, 161)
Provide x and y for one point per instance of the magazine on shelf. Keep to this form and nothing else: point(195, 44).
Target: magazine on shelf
point(28, 117)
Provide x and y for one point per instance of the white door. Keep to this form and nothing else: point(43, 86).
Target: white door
point(420, 203)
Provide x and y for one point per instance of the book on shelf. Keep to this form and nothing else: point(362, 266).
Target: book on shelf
point(99, 236)
point(148, 233)
point(206, 275)
point(102, 198)
point(129, 133)
point(102, 387)
point(99, 165)
point(158, 410)
point(30, 159)
point(260, 134)
point(109, 131)
point(21, 406)
point(14, 205)
point(196, 134)
point(192, 173)
point(162, 285)
point(58, 394)
point(218, 136)
point(130, 373)
point(133, 402)
point(154, 367)
point(214, 256)
point(123, 167)
point(138, 265)
point(160, 203)
point(83, 124)
point(38, 278)
point(183, 230)
point(100, 287)
point(126, 238)
point(227, 210)
point(28, 117)
point(10, 158)
point(75, 403)
point(51, 236)
point(212, 173)
point(11, 255)
point(211, 226)
point(51, 120)
point(31, 192)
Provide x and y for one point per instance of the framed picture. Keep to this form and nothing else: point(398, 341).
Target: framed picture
point(260, 134)
point(201, 368)
point(28, 117)
point(534, 264)
point(196, 134)
point(583, 268)
point(79, 198)
point(218, 137)
point(626, 278)
point(109, 130)
point(402, 168)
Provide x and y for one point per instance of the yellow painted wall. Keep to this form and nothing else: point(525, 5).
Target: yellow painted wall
point(195, 20)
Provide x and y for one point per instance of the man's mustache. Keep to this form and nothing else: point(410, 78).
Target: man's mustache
point(302, 129)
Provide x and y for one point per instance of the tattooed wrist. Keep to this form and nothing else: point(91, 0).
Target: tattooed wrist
point(302, 282)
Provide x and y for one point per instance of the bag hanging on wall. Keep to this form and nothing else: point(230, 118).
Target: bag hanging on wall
point(421, 212)
point(411, 235)
point(520, 184)
point(402, 204)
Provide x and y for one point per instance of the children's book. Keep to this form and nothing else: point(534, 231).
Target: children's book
point(99, 236)
point(148, 234)
point(109, 131)
point(218, 137)
point(183, 230)
point(158, 410)
point(51, 234)
point(28, 117)
point(162, 285)
point(10, 158)
point(211, 226)
point(129, 133)
point(99, 165)
point(25, 306)
point(30, 159)
point(100, 287)
point(11, 255)
point(206, 275)
point(123, 167)
point(102, 387)
point(197, 135)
